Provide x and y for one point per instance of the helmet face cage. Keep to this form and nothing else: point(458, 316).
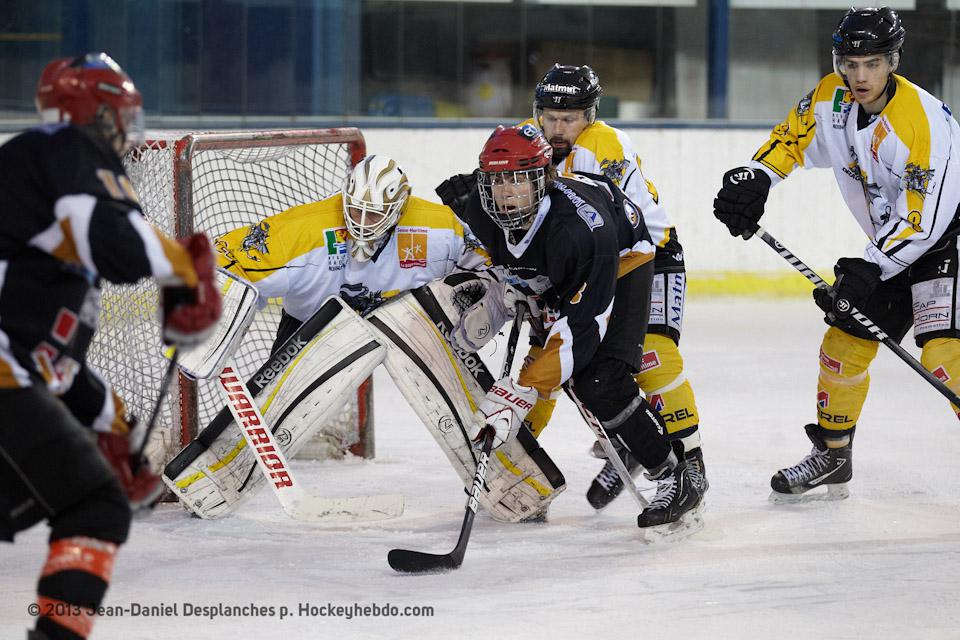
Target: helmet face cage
point(511, 198)
point(868, 32)
point(568, 87)
point(374, 196)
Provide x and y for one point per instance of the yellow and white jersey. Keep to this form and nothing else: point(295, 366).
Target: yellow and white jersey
point(899, 173)
point(602, 149)
point(302, 255)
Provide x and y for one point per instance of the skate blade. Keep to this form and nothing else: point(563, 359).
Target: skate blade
point(833, 492)
point(688, 524)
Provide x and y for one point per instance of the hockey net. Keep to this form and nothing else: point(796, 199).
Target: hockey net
point(217, 182)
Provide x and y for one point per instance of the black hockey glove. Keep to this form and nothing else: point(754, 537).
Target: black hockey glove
point(856, 281)
point(739, 204)
point(455, 191)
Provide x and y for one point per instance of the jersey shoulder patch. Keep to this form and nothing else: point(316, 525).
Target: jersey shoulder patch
point(610, 148)
point(584, 209)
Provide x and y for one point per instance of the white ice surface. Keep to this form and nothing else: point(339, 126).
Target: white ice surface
point(883, 564)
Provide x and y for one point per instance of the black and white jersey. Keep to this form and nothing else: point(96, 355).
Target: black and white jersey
point(584, 236)
point(69, 216)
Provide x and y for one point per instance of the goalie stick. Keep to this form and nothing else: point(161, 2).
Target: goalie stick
point(408, 561)
point(868, 324)
point(296, 502)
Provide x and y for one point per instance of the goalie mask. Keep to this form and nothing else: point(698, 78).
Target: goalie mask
point(514, 173)
point(374, 196)
point(92, 90)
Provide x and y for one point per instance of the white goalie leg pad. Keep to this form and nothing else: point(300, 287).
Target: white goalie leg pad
point(295, 402)
point(442, 384)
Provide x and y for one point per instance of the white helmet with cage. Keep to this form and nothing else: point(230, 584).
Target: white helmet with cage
point(374, 196)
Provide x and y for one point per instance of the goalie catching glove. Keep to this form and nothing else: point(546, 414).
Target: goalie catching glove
point(487, 305)
point(503, 408)
point(190, 314)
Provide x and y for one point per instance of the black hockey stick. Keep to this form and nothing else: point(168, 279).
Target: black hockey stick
point(407, 561)
point(164, 385)
point(868, 324)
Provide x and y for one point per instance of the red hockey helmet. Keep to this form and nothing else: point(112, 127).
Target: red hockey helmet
point(513, 170)
point(92, 90)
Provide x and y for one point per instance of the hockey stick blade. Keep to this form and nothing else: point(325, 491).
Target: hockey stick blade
point(355, 509)
point(405, 561)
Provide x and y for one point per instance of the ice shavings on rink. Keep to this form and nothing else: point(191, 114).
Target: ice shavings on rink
point(883, 564)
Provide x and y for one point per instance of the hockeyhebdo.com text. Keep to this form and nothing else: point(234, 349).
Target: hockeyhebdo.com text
point(214, 611)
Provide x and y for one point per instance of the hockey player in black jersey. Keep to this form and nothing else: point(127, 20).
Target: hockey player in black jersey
point(69, 217)
point(583, 249)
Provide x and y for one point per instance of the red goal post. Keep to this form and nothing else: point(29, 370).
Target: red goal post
point(216, 182)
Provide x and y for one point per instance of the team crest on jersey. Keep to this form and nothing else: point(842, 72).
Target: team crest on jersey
point(917, 179)
point(941, 374)
point(336, 242)
point(361, 298)
point(803, 107)
point(823, 399)
point(613, 169)
point(412, 247)
point(256, 240)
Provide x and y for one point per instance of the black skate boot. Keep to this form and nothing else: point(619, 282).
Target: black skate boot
point(677, 506)
point(832, 468)
point(608, 485)
point(697, 469)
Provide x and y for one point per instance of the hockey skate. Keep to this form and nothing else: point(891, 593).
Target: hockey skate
point(677, 508)
point(832, 468)
point(608, 485)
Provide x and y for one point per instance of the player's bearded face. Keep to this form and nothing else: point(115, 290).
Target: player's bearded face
point(866, 77)
point(561, 128)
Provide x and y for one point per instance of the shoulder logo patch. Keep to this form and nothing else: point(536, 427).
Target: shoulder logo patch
point(256, 240)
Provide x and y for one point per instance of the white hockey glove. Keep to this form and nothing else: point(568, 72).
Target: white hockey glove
point(480, 322)
point(503, 408)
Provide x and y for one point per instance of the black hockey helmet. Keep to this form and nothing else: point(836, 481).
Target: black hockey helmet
point(565, 86)
point(869, 31)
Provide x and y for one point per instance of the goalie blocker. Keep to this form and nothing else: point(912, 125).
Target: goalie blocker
point(442, 385)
